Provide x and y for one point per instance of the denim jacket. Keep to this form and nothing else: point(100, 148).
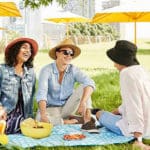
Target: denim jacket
point(9, 85)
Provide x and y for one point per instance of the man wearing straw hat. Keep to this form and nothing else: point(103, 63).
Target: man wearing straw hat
point(56, 97)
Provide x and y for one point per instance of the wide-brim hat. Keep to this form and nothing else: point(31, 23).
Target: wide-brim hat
point(29, 40)
point(123, 53)
point(65, 43)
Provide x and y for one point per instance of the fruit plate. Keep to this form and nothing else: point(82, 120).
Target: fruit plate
point(74, 136)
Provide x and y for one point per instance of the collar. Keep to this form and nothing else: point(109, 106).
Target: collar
point(25, 69)
point(55, 69)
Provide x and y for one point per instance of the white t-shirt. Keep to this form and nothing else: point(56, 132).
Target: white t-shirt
point(135, 107)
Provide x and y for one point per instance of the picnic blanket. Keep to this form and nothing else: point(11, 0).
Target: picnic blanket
point(104, 137)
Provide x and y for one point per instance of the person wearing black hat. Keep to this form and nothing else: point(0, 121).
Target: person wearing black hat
point(17, 83)
point(57, 98)
point(132, 117)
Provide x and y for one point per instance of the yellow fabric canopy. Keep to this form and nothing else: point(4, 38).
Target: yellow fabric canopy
point(66, 17)
point(130, 12)
point(9, 9)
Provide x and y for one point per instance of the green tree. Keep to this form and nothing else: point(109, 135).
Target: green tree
point(88, 29)
point(34, 4)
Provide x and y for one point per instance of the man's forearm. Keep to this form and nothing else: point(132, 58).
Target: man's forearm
point(87, 91)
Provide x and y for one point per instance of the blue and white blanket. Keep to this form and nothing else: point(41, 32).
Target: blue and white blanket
point(104, 137)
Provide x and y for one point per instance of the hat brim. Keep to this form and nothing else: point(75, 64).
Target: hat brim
point(111, 53)
point(29, 40)
point(77, 50)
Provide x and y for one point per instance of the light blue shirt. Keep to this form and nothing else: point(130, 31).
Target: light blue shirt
point(52, 91)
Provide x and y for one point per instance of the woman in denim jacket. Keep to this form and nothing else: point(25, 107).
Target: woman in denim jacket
point(17, 83)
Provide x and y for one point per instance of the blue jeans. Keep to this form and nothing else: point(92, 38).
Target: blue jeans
point(109, 120)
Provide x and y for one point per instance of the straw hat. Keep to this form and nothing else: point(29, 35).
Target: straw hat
point(29, 40)
point(65, 43)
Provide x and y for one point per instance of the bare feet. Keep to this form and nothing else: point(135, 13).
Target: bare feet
point(71, 121)
point(141, 145)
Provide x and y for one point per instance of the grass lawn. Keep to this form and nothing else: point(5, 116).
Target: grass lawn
point(94, 62)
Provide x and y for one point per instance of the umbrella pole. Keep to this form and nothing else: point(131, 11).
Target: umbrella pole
point(67, 30)
point(135, 32)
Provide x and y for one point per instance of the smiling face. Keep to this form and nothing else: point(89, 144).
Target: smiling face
point(64, 55)
point(24, 53)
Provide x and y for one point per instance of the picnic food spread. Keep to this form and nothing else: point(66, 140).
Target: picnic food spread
point(35, 129)
point(3, 136)
point(74, 136)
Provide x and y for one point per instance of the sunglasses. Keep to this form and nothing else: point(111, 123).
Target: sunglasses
point(67, 52)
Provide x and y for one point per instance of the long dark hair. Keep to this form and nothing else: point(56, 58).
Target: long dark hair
point(10, 57)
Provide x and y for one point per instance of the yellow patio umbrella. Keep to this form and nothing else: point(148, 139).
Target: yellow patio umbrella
point(130, 12)
point(9, 9)
point(66, 17)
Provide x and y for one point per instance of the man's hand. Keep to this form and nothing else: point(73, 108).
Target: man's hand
point(82, 108)
point(44, 118)
point(141, 146)
point(3, 114)
point(85, 112)
point(42, 108)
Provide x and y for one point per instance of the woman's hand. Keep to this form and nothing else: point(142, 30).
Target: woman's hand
point(116, 112)
point(141, 145)
point(3, 114)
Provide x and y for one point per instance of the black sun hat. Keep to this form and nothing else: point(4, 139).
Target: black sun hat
point(123, 53)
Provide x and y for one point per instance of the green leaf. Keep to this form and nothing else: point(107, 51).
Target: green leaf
point(35, 4)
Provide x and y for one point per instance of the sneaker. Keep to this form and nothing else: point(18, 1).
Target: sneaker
point(90, 126)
